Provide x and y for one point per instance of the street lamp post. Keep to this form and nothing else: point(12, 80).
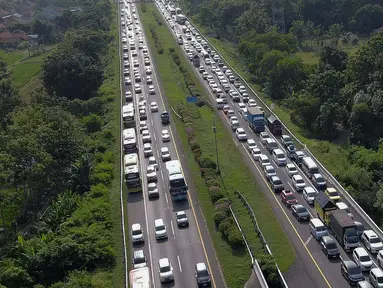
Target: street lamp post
point(216, 147)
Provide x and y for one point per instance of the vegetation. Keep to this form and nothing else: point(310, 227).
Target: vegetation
point(336, 99)
point(60, 222)
point(214, 190)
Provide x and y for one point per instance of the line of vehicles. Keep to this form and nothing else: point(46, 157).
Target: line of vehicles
point(136, 128)
point(334, 219)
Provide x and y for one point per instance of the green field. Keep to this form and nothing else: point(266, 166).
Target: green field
point(235, 173)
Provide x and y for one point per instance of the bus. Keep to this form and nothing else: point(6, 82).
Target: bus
point(128, 115)
point(139, 278)
point(132, 172)
point(177, 184)
point(130, 140)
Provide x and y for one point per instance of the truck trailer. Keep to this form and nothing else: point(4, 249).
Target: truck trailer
point(344, 229)
point(274, 125)
point(256, 119)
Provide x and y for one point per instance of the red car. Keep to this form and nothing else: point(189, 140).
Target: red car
point(288, 198)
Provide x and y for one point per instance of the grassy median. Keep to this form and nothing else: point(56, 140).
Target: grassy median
point(235, 173)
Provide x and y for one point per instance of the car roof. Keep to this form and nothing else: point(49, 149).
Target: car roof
point(278, 151)
point(181, 213)
point(316, 175)
point(274, 178)
point(328, 239)
point(287, 192)
point(158, 222)
point(269, 167)
point(240, 130)
point(200, 266)
point(163, 262)
point(288, 165)
point(377, 271)
point(349, 264)
point(361, 251)
point(296, 177)
point(136, 226)
point(370, 233)
point(309, 189)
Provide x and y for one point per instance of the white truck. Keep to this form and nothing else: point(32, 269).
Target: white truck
point(139, 278)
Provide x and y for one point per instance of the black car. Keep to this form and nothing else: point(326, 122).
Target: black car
point(351, 272)
point(329, 247)
point(300, 212)
point(165, 117)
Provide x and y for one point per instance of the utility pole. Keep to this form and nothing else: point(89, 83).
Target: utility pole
point(216, 147)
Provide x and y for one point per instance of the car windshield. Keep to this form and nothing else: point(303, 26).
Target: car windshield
point(181, 216)
point(177, 183)
point(374, 240)
point(152, 188)
point(160, 228)
point(365, 258)
point(331, 246)
point(292, 169)
point(277, 182)
point(301, 210)
point(311, 194)
point(300, 181)
point(136, 232)
point(354, 270)
point(333, 193)
point(320, 228)
point(280, 156)
point(290, 197)
point(203, 273)
point(270, 170)
point(164, 269)
point(320, 179)
point(139, 260)
point(380, 280)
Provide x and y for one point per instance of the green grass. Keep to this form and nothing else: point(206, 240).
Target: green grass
point(112, 85)
point(308, 57)
point(12, 57)
point(236, 175)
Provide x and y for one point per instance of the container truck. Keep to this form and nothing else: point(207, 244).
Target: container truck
point(256, 119)
point(344, 229)
point(181, 19)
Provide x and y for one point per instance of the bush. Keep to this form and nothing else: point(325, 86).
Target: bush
point(172, 50)
point(92, 123)
point(219, 216)
point(143, 8)
point(226, 226)
point(201, 103)
point(197, 154)
point(270, 270)
point(157, 18)
point(213, 182)
point(207, 163)
point(194, 145)
point(209, 173)
point(215, 193)
point(235, 238)
point(224, 202)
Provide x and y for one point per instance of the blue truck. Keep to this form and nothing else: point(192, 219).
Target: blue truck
point(256, 118)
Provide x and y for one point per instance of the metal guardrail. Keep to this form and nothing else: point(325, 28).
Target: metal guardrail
point(260, 234)
point(328, 175)
point(257, 269)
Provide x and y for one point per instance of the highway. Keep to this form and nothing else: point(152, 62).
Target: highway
point(185, 246)
point(311, 268)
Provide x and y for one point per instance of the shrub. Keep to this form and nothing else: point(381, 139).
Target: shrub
point(219, 216)
point(215, 193)
point(213, 182)
point(157, 18)
point(99, 190)
point(235, 238)
point(143, 8)
point(270, 270)
point(197, 153)
point(224, 202)
point(207, 163)
point(226, 226)
point(189, 125)
point(201, 103)
point(194, 145)
point(92, 123)
point(209, 174)
point(172, 50)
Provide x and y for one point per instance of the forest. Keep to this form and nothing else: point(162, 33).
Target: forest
point(337, 100)
point(57, 157)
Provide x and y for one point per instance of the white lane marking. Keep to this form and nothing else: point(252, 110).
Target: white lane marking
point(174, 234)
point(151, 120)
point(162, 176)
point(292, 188)
point(341, 258)
point(154, 135)
point(235, 142)
point(179, 263)
point(166, 198)
point(308, 240)
point(158, 156)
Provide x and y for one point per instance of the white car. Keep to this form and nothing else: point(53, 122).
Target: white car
point(241, 105)
point(151, 174)
point(128, 96)
point(136, 63)
point(263, 160)
point(165, 136)
point(309, 194)
point(153, 190)
point(148, 71)
point(152, 90)
point(264, 136)
point(126, 64)
point(153, 107)
point(146, 138)
point(149, 80)
point(256, 152)
point(269, 171)
point(165, 270)
point(160, 229)
point(153, 162)
point(148, 150)
point(126, 72)
point(252, 103)
point(241, 134)
point(137, 234)
point(128, 81)
point(298, 183)
point(362, 259)
point(143, 126)
point(291, 170)
point(165, 154)
point(379, 257)
point(250, 144)
point(137, 88)
point(371, 241)
point(230, 113)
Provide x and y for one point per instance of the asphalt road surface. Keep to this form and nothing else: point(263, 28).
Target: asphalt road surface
point(311, 268)
point(185, 246)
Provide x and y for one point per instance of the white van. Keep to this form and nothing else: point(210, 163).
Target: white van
point(309, 167)
point(317, 228)
point(279, 157)
point(219, 103)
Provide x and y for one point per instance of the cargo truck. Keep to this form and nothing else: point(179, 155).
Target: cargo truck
point(274, 125)
point(256, 119)
point(344, 229)
point(181, 19)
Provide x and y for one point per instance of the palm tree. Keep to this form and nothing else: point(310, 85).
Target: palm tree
point(80, 174)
